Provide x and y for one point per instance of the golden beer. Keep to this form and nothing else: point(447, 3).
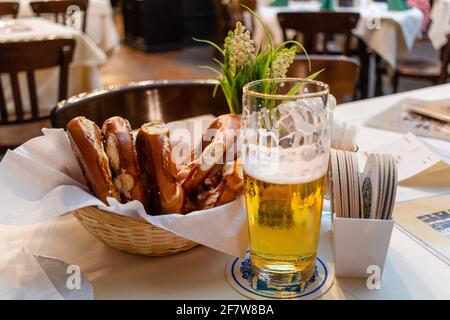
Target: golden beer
point(284, 225)
point(285, 144)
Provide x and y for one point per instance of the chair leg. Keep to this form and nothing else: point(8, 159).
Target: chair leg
point(378, 76)
point(395, 82)
point(364, 59)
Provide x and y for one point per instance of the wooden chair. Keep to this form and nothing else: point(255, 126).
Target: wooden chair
point(228, 12)
point(9, 9)
point(318, 29)
point(341, 73)
point(314, 25)
point(236, 12)
point(436, 71)
point(145, 101)
point(61, 9)
point(27, 57)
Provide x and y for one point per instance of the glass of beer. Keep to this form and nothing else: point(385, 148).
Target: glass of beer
point(285, 139)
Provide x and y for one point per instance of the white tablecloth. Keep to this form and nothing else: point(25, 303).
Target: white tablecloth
point(440, 23)
point(84, 74)
point(411, 272)
point(100, 24)
point(395, 36)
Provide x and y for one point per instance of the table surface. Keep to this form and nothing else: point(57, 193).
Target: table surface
point(411, 272)
point(87, 53)
point(84, 73)
point(100, 24)
point(440, 23)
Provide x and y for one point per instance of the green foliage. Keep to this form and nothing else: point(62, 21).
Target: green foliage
point(241, 63)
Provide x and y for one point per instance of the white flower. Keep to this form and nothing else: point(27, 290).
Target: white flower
point(240, 46)
point(283, 59)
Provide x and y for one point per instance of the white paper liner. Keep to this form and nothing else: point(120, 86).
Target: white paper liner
point(21, 276)
point(41, 180)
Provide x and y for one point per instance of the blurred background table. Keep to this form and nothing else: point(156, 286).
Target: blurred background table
point(411, 271)
point(100, 26)
point(393, 37)
point(84, 74)
point(440, 23)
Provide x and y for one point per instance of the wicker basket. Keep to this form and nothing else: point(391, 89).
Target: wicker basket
point(133, 235)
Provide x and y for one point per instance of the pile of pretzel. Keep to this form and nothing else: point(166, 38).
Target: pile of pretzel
point(116, 165)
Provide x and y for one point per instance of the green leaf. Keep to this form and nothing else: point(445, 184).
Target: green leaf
point(266, 29)
point(215, 90)
point(211, 69)
point(219, 63)
point(315, 74)
point(299, 85)
point(211, 44)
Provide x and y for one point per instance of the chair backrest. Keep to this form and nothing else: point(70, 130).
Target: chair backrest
point(9, 8)
point(229, 12)
point(445, 59)
point(61, 9)
point(167, 100)
point(319, 25)
point(341, 73)
point(237, 13)
point(27, 57)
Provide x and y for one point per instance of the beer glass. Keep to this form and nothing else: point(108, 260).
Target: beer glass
point(285, 145)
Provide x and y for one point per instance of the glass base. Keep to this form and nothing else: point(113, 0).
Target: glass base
point(284, 278)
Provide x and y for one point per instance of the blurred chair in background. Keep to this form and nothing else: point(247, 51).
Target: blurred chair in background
point(341, 73)
point(228, 12)
point(21, 121)
point(436, 71)
point(9, 9)
point(61, 10)
point(319, 32)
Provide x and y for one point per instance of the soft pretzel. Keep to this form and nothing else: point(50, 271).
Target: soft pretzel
point(119, 146)
point(114, 167)
point(85, 139)
point(228, 189)
point(154, 154)
point(224, 131)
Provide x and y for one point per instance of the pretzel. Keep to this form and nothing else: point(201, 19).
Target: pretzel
point(154, 154)
point(86, 142)
point(228, 189)
point(226, 127)
point(119, 146)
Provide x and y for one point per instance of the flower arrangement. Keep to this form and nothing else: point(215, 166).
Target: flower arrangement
point(242, 63)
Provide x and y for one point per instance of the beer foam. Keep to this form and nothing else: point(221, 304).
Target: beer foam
point(287, 171)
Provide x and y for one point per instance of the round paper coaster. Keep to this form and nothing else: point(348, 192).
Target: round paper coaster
point(241, 278)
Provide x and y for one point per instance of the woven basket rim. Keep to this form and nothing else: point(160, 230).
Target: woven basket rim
point(131, 234)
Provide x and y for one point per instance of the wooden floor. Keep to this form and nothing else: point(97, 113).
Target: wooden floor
point(127, 64)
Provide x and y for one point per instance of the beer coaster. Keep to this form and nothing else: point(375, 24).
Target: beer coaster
point(335, 191)
point(393, 190)
point(382, 185)
point(369, 187)
point(240, 276)
point(387, 185)
point(351, 186)
point(343, 184)
point(355, 181)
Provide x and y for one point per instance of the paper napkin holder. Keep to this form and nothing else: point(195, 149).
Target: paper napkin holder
point(359, 245)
